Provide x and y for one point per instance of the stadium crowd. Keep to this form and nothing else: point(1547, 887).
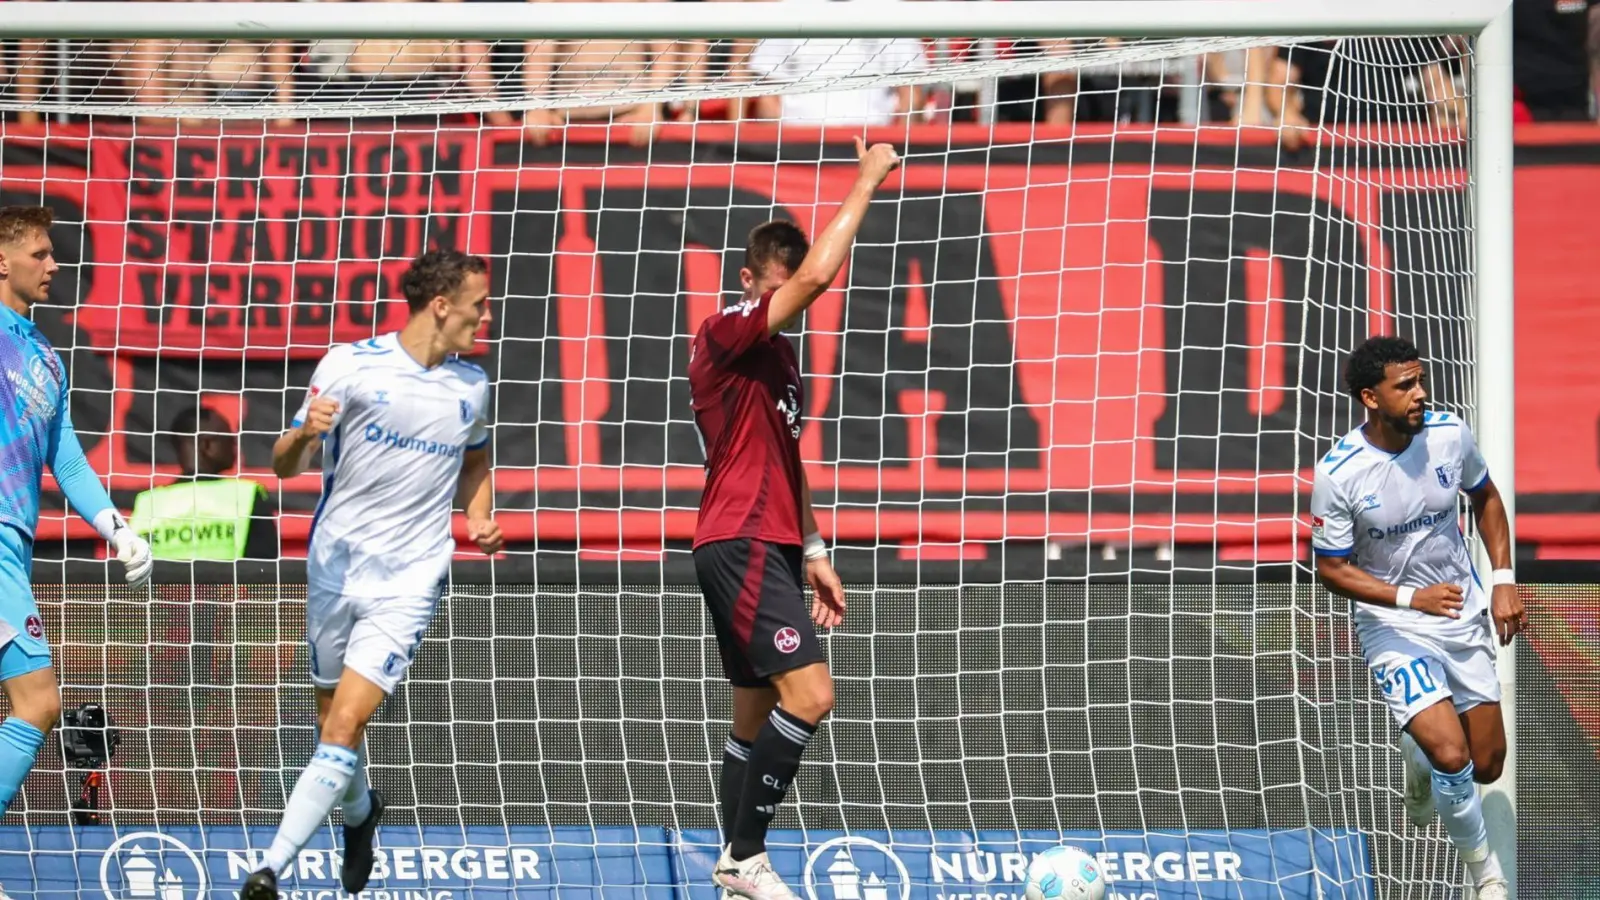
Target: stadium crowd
point(1557, 44)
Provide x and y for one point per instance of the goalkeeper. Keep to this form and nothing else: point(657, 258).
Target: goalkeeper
point(757, 535)
point(37, 431)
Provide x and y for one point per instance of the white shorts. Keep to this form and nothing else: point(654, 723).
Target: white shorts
point(1415, 671)
point(375, 637)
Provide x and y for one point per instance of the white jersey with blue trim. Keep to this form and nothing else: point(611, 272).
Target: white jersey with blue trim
point(1396, 515)
point(390, 466)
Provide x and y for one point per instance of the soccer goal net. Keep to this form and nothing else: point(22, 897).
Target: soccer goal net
point(1061, 413)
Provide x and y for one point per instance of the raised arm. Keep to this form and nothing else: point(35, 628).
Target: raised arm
point(832, 247)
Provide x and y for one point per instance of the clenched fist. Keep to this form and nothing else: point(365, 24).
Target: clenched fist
point(486, 534)
point(876, 162)
point(320, 417)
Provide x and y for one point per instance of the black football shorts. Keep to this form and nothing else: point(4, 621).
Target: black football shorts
point(759, 608)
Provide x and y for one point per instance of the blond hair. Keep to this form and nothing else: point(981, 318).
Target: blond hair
point(20, 222)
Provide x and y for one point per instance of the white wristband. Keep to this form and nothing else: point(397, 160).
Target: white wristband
point(814, 547)
point(1503, 576)
point(1402, 597)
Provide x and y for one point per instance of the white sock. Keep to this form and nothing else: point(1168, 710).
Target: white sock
point(1461, 809)
point(319, 788)
point(357, 802)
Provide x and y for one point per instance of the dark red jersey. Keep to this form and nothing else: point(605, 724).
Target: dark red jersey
point(745, 387)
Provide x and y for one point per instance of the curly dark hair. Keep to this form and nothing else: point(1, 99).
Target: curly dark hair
point(18, 222)
point(1368, 362)
point(778, 242)
point(438, 273)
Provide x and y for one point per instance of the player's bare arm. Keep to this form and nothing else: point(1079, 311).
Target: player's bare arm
point(291, 454)
point(1339, 575)
point(1505, 604)
point(475, 495)
point(827, 592)
point(832, 247)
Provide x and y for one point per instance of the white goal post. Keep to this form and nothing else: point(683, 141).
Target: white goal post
point(1243, 22)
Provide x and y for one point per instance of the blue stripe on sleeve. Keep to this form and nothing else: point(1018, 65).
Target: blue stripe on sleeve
point(1341, 462)
point(1324, 552)
point(329, 466)
point(1481, 482)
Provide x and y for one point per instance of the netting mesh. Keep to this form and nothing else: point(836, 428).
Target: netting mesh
point(340, 77)
point(1100, 344)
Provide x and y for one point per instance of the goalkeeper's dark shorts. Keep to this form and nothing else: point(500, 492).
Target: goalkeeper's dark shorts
point(758, 605)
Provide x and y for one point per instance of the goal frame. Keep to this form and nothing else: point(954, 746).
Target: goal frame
point(1490, 185)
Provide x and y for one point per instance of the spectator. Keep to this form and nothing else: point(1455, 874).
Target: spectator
point(716, 62)
point(206, 515)
point(1554, 63)
point(391, 69)
point(602, 69)
point(1256, 87)
point(785, 60)
point(1094, 90)
point(491, 65)
point(25, 82)
point(201, 72)
point(1379, 80)
point(1058, 89)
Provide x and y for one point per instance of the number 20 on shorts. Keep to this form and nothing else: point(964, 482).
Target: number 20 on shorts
point(1411, 679)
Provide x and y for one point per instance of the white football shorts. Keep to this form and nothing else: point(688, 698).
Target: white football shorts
point(375, 637)
point(1415, 671)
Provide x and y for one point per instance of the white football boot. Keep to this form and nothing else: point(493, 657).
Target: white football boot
point(752, 879)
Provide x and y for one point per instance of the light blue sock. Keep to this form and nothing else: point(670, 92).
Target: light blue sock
point(321, 786)
point(19, 745)
point(1461, 809)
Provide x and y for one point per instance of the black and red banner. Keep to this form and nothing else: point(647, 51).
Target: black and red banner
point(1078, 339)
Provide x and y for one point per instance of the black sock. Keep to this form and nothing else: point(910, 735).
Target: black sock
point(735, 759)
point(774, 758)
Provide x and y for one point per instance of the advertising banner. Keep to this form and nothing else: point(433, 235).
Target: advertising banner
point(501, 863)
point(1067, 344)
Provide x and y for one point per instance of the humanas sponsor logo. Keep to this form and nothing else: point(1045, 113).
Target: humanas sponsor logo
point(394, 440)
point(856, 868)
point(408, 873)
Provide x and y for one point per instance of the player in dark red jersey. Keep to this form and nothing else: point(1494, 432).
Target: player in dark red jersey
point(757, 541)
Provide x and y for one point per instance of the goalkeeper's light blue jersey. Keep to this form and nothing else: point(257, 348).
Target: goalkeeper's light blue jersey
point(37, 429)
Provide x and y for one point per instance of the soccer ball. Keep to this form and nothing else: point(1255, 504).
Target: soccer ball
point(1065, 873)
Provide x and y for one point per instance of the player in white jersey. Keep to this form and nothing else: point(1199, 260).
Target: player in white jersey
point(1386, 533)
point(402, 422)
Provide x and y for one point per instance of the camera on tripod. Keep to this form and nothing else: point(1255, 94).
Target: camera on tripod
point(89, 738)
